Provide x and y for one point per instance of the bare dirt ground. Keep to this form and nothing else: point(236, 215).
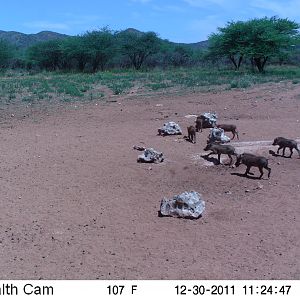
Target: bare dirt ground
point(75, 204)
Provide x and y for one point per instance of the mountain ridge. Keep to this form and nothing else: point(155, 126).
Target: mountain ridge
point(23, 40)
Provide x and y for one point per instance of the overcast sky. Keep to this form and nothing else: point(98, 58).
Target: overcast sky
point(184, 21)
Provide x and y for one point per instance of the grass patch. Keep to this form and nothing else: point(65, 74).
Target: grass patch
point(157, 86)
point(68, 87)
point(120, 86)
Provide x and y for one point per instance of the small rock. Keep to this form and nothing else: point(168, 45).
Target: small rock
point(278, 163)
point(247, 191)
point(150, 156)
point(260, 186)
point(228, 193)
point(139, 148)
point(190, 116)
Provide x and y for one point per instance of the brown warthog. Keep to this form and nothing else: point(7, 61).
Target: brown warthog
point(251, 160)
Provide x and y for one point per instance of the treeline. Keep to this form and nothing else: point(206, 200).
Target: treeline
point(250, 43)
point(100, 50)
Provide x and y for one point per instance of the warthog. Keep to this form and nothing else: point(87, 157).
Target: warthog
point(229, 128)
point(201, 123)
point(192, 134)
point(251, 160)
point(285, 143)
point(221, 149)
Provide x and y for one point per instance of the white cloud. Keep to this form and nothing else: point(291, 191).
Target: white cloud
point(289, 9)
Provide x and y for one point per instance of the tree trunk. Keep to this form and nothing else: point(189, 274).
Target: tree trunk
point(260, 63)
point(240, 61)
point(252, 64)
point(231, 57)
point(264, 62)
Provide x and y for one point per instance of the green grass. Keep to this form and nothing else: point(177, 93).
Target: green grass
point(68, 87)
point(158, 85)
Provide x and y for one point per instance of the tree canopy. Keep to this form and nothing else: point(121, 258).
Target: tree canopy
point(100, 46)
point(257, 39)
point(139, 46)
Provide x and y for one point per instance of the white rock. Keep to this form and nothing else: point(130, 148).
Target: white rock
point(209, 120)
point(260, 186)
point(217, 135)
point(151, 156)
point(170, 128)
point(185, 205)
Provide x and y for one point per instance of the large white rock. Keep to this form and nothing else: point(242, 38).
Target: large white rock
point(170, 128)
point(208, 119)
point(151, 156)
point(217, 135)
point(185, 205)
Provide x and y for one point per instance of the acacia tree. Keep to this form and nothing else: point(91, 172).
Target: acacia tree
point(47, 55)
point(75, 52)
point(181, 56)
point(100, 46)
point(269, 37)
point(229, 43)
point(138, 46)
point(258, 39)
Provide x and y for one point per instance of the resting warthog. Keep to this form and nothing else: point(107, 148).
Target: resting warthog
point(230, 128)
point(251, 160)
point(285, 143)
point(192, 134)
point(220, 149)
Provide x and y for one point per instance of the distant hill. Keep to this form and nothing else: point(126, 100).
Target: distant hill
point(198, 45)
point(22, 40)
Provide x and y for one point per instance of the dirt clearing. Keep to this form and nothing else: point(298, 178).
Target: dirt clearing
point(75, 204)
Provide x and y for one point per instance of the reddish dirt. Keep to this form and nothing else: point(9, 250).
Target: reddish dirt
point(75, 204)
